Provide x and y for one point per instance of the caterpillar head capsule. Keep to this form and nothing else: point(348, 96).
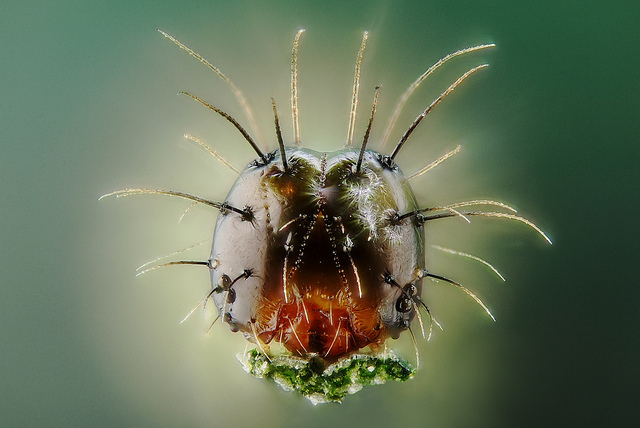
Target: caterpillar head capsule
point(324, 253)
point(321, 248)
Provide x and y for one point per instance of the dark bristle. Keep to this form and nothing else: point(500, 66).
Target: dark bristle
point(222, 206)
point(235, 123)
point(365, 140)
point(426, 111)
point(279, 136)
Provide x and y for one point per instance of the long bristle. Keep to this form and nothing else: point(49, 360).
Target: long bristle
point(236, 92)
point(419, 316)
point(426, 111)
point(481, 202)
point(212, 152)
point(182, 250)
point(415, 347)
point(470, 256)
point(180, 262)
point(435, 163)
point(212, 324)
point(294, 88)
point(484, 214)
point(466, 290)
point(235, 123)
point(192, 311)
point(407, 94)
point(248, 215)
point(283, 153)
point(356, 90)
point(365, 140)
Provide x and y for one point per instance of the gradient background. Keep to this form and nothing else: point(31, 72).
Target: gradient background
point(88, 105)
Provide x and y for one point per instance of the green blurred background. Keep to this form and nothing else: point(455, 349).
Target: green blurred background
point(88, 105)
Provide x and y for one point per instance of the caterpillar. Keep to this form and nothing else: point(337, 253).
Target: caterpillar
point(324, 253)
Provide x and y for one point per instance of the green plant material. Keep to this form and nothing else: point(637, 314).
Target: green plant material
point(320, 384)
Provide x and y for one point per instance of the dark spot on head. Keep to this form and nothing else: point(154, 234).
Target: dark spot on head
point(387, 162)
point(419, 220)
point(231, 296)
point(247, 214)
point(260, 162)
point(410, 289)
point(394, 218)
point(388, 278)
point(224, 282)
point(403, 304)
point(233, 325)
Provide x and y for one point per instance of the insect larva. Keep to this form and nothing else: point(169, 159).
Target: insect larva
point(323, 253)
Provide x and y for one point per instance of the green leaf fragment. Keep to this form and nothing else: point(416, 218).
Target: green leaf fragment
point(331, 384)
